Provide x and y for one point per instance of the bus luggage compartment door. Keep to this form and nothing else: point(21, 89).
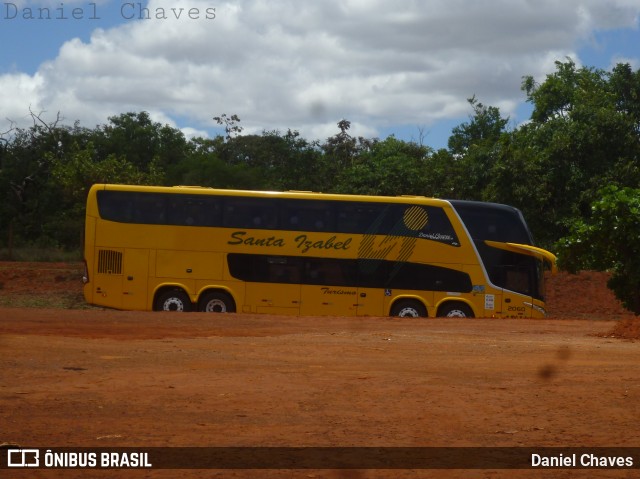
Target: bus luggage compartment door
point(106, 282)
point(371, 301)
point(273, 298)
point(135, 279)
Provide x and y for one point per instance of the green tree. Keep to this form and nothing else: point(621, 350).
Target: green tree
point(518, 178)
point(274, 161)
point(342, 150)
point(582, 133)
point(472, 146)
point(391, 167)
point(47, 169)
point(609, 239)
point(73, 175)
point(205, 166)
point(484, 128)
point(141, 142)
point(585, 122)
point(231, 124)
point(27, 194)
point(298, 164)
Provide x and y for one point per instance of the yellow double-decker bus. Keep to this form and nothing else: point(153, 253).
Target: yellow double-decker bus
point(302, 253)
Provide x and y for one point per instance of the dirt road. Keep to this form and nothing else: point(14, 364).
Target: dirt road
point(98, 378)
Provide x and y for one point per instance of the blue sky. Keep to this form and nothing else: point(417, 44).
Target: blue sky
point(301, 65)
point(32, 42)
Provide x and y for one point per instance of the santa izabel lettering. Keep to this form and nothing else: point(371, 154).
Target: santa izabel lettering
point(241, 237)
point(303, 243)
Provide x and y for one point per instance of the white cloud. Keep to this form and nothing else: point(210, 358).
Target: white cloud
point(282, 64)
point(633, 62)
point(20, 94)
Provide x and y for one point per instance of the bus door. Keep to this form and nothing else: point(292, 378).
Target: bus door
point(135, 275)
point(373, 278)
point(279, 290)
point(371, 301)
point(517, 284)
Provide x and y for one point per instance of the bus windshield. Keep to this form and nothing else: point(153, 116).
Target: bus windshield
point(511, 270)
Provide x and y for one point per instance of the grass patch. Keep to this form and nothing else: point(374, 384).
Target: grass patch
point(46, 255)
point(49, 301)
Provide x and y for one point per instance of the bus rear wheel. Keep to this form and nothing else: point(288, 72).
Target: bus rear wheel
point(216, 302)
point(173, 300)
point(409, 309)
point(455, 310)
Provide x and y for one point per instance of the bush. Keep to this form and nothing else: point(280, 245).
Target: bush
point(609, 240)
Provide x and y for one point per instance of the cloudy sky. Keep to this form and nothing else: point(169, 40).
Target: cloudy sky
point(400, 68)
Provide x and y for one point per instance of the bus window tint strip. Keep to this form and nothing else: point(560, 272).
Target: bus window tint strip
point(364, 273)
point(426, 222)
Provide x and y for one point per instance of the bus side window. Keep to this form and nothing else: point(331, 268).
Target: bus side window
point(151, 210)
point(364, 218)
point(330, 272)
point(439, 226)
point(283, 270)
point(303, 215)
point(193, 210)
point(116, 206)
point(251, 213)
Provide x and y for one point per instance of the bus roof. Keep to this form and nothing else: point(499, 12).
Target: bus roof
point(292, 194)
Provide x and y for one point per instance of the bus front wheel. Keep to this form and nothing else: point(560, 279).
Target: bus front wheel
point(173, 300)
point(455, 310)
point(409, 309)
point(216, 302)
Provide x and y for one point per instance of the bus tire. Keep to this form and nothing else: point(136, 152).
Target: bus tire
point(216, 302)
point(455, 309)
point(173, 300)
point(409, 308)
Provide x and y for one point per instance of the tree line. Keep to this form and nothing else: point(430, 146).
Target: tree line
point(573, 168)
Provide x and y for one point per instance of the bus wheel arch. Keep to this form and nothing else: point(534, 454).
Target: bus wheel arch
point(409, 308)
point(172, 298)
point(216, 301)
point(455, 309)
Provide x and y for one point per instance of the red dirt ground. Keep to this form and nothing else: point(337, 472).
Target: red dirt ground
point(87, 377)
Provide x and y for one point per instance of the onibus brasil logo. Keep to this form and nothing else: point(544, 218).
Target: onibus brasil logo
point(32, 458)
